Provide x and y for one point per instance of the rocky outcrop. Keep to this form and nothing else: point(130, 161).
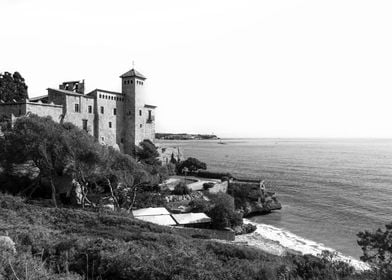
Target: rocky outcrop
point(244, 229)
point(251, 197)
point(255, 207)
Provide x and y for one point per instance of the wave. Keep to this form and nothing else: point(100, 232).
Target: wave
point(280, 242)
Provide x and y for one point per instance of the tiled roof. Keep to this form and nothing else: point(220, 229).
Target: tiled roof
point(133, 73)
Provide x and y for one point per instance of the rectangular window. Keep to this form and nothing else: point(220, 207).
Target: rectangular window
point(110, 124)
point(102, 110)
point(141, 125)
point(140, 112)
point(114, 111)
point(77, 108)
point(84, 125)
point(90, 109)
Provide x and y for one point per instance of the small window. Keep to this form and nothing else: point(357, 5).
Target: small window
point(110, 124)
point(103, 138)
point(122, 140)
point(90, 109)
point(102, 110)
point(131, 82)
point(114, 111)
point(84, 125)
point(77, 108)
point(141, 125)
point(140, 112)
point(100, 96)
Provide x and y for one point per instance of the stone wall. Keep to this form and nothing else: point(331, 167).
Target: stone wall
point(165, 153)
point(82, 115)
point(17, 109)
point(110, 122)
point(43, 110)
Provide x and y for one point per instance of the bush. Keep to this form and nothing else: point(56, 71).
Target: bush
point(208, 185)
point(192, 164)
point(212, 175)
point(148, 152)
point(200, 206)
point(181, 189)
point(223, 212)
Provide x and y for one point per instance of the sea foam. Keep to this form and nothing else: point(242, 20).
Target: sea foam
point(279, 242)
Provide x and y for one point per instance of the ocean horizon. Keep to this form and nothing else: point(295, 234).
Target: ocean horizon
point(330, 188)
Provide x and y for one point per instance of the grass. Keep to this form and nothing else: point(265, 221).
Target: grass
point(78, 244)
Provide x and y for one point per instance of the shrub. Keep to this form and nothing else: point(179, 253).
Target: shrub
point(148, 152)
point(200, 206)
point(212, 175)
point(223, 212)
point(192, 164)
point(149, 199)
point(208, 185)
point(181, 189)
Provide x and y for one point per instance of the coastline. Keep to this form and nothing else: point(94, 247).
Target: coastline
point(279, 242)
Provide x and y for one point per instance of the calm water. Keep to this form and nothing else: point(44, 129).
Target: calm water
point(330, 189)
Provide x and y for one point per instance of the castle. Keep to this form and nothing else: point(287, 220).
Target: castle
point(119, 119)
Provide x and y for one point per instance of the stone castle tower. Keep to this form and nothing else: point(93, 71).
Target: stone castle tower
point(138, 117)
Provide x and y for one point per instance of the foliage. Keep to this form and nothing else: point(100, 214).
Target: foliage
point(181, 189)
point(40, 140)
point(213, 175)
point(326, 266)
point(200, 205)
point(58, 149)
point(377, 250)
point(192, 164)
point(208, 185)
point(147, 152)
point(223, 212)
point(12, 87)
point(149, 199)
point(110, 246)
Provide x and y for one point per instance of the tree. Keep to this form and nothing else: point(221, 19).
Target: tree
point(377, 250)
point(181, 189)
point(12, 87)
point(41, 141)
point(223, 212)
point(147, 153)
point(192, 164)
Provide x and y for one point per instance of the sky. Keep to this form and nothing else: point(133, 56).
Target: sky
point(282, 68)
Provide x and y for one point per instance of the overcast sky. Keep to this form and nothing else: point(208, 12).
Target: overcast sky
point(282, 68)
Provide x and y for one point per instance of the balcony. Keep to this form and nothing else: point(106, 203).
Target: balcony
point(150, 119)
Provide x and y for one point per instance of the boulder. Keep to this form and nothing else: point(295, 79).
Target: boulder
point(7, 244)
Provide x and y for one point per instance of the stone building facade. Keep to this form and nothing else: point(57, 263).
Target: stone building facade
point(119, 119)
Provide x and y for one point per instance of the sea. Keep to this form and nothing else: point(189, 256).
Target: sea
point(330, 189)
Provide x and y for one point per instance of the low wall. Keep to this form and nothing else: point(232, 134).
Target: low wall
point(205, 233)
